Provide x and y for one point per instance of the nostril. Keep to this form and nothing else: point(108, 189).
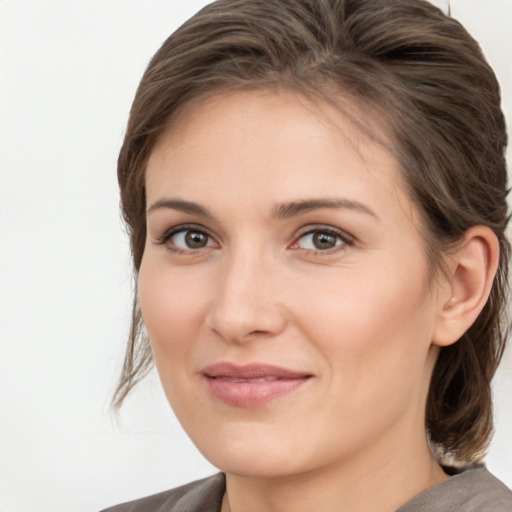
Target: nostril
point(244, 318)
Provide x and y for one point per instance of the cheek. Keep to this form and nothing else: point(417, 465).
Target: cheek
point(171, 306)
point(372, 328)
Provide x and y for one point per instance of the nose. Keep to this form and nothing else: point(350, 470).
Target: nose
point(246, 305)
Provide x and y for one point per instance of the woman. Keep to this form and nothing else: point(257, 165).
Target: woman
point(316, 197)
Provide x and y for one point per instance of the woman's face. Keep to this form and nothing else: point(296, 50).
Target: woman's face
point(284, 287)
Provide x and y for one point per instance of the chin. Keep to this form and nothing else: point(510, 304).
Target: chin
point(263, 452)
point(256, 465)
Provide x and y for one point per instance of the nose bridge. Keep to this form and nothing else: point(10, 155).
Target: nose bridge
point(246, 303)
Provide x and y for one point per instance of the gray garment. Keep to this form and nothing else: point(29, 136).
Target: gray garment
point(200, 496)
point(474, 490)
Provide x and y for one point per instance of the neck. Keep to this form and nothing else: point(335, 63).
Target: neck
point(380, 480)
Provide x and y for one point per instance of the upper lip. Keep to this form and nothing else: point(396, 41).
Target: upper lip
point(251, 371)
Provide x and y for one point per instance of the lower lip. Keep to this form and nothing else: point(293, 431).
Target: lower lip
point(252, 394)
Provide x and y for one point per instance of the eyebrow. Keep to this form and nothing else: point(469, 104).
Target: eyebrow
point(282, 211)
point(180, 205)
point(294, 208)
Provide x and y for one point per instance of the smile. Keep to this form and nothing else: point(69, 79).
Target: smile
point(251, 385)
point(261, 379)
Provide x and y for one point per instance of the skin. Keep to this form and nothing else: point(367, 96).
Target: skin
point(364, 318)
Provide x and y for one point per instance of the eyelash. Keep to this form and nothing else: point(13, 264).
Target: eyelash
point(345, 238)
point(165, 238)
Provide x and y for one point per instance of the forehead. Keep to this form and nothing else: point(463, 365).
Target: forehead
point(331, 107)
point(273, 146)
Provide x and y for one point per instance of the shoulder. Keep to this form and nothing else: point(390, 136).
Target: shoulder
point(473, 490)
point(202, 495)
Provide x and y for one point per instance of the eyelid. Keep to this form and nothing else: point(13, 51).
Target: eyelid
point(346, 238)
point(169, 233)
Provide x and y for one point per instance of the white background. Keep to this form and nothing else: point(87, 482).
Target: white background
point(69, 70)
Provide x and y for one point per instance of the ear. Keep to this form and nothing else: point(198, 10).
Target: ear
point(471, 271)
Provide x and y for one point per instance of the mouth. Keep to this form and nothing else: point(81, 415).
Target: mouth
point(251, 385)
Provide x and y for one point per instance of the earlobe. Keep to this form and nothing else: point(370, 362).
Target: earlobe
point(471, 274)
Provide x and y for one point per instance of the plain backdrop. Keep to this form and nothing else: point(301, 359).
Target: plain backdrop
point(68, 73)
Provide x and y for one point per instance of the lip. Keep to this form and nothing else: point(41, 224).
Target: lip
point(251, 385)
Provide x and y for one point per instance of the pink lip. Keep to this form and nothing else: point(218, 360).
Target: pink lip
point(251, 385)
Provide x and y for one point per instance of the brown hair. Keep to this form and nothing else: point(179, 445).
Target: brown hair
point(403, 59)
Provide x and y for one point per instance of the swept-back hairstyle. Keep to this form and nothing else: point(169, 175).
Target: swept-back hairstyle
point(418, 69)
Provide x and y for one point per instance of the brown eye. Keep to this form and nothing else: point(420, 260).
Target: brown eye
point(323, 241)
point(196, 239)
point(188, 239)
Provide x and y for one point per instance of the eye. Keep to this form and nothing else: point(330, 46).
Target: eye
point(190, 239)
point(322, 239)
point(187, 239)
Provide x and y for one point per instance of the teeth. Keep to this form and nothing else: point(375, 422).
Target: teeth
point(261, 379)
